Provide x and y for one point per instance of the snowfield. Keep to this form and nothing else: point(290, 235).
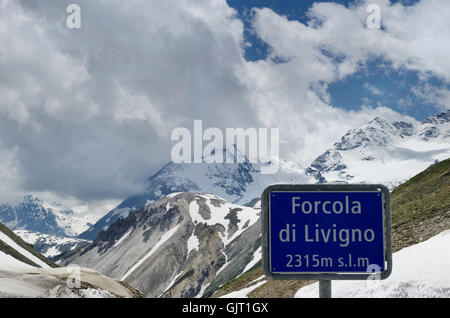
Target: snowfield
point(19, 279)
point(30, 282)
point(397, 163)
point(5, 238)
point(243, 293)
point(67, 219)
point(246, 216)
point(419, 271)
point(7, 262)
point(49, 245)
point(398, 149)
point(32, 214)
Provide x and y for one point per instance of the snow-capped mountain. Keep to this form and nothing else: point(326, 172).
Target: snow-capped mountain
point(385, 152)
point(235, 182)
point(379, 152)
point(33, 214)
point(183, 245)
point(50, 245)
point(24, 272)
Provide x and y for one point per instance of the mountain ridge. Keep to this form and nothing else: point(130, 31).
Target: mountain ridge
point(369, 148)
point(399, 149)
point(238, 183)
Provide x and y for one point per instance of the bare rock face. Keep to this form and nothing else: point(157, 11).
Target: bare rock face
point(180, 246)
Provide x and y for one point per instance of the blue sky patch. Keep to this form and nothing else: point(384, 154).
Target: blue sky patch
point(377, 84)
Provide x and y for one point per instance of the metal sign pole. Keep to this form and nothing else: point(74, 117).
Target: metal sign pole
point(324, 288)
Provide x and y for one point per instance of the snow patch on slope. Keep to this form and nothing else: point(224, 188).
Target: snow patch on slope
point(7, 262)
point(49, 245)
point(52, 282)
point(122, 238)
point(193, 243)
point(246, 216)
point(255, 259)
point(165, 237)
point(419, 271)
point(243, 293)
point(5, 238)
point(68, 220)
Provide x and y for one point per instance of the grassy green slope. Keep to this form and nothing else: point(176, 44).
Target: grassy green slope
point(421, 206)
point(10, 251)
point(420, 210)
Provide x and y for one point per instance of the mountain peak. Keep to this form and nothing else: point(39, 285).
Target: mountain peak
point(238, 182)
point(392, 150)
point(438, 119)
point(378, 121)
point(29, 198)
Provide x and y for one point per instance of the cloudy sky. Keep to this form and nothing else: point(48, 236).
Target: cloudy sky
point(86, 114)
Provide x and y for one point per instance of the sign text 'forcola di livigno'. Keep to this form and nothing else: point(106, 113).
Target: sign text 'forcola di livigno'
point(326, 229)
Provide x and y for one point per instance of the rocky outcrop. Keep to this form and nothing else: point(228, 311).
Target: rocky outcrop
point(180, 246)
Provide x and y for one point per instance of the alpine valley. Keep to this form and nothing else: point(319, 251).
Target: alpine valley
point(197, 226)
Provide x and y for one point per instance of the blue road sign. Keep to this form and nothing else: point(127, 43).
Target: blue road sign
point(326, 231)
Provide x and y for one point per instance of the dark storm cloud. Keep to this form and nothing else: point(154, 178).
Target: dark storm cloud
point(90, 111)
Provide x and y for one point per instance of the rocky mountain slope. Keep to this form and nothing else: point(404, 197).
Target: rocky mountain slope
point(420, 211)
point(385, 152)
point(26, 273)
point(213, 246)
point(183, 245)
point(235, 182)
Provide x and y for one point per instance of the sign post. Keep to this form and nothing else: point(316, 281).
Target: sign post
point(326, 232)
point(325, 288)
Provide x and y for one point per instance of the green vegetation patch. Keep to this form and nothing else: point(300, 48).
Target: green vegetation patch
point(423, 196)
